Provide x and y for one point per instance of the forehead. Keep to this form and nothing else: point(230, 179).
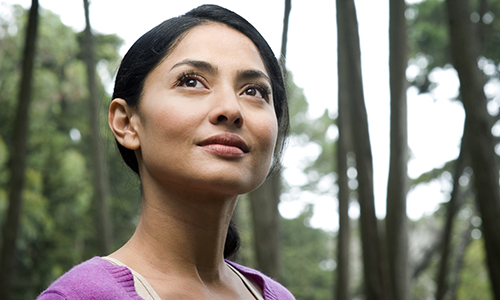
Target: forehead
point(217, 43)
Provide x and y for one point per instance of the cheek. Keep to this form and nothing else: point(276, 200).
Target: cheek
point(273, 135)
point(166, 130)
point(267, 133)
point(174, 120)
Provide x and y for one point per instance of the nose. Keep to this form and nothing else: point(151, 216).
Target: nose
point(226, 110)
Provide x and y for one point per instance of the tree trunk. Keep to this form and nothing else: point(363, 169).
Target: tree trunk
point(482, 9)
point(264, 200)
point(284, 36)
point(460, 261)
point(266, 225)
point(344, 144)
point(18, 159)
point(101, 181)
point(348, 37)
point(484, 161)
point(453, 208)
point(396, 218)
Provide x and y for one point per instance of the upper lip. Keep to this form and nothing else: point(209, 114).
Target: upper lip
point(227, 139)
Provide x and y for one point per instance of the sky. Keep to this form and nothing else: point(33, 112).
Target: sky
point(435, 123)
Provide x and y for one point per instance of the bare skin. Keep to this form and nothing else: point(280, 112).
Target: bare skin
point(190, 186)
point(166, 249)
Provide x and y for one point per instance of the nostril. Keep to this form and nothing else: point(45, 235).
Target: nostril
point(221, 118)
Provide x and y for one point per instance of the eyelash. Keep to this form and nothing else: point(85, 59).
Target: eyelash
point(185, 76)
point(263, 89)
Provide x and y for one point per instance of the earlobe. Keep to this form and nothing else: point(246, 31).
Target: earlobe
point(121, 121)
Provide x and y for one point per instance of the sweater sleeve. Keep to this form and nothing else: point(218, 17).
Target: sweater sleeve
point(271, 289)
point(51, 295)
point(93, 279)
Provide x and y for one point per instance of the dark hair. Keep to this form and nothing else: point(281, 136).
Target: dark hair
point(150, 49)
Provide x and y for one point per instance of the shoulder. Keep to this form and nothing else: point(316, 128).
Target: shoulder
point(93, 279)
point(272, 289)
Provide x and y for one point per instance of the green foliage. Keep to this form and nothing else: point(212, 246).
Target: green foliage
point(429, 49)
point(434, 174)
point(428, 36)
point(57, 227)
point(428, 39)
point(306, 130)
point(474, 281)
point(307, 259)
point(488, 22)
point(243, 220)
point(429, 31)
point(105, 46)
point(57, 43)
point(307, 253)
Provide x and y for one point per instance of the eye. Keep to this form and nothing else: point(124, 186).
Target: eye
point(190, 80)
point(257, 91)
point(253, 92)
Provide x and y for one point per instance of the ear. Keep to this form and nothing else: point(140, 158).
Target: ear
point(122, 120)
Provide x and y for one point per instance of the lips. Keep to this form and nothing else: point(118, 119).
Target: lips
point(225, 144)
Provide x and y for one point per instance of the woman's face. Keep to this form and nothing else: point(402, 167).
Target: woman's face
point(206, 118)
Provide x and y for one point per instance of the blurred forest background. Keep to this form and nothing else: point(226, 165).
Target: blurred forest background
point(66, 196)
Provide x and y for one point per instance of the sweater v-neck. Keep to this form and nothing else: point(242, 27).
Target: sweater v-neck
point(145, 290)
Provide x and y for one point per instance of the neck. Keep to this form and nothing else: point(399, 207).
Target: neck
point(180, 233)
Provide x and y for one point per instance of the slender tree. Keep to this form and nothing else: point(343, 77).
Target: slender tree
point(264, 200)
point(348, 37)
point(284, 36)
point(465, 242)
point(465, 52)
point(101, 181)
point(396, 218)
point(342, 291)
point(19, 152)
point(452, 210)
point(266, 226)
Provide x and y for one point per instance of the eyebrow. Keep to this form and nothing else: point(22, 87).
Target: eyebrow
point(198, 64)
point(253, 74)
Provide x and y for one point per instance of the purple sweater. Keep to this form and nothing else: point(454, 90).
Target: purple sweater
point(97, 278)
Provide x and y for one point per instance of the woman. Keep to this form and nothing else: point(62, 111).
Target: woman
point(199, 112)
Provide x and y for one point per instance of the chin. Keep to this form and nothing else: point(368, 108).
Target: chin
point(234, 185)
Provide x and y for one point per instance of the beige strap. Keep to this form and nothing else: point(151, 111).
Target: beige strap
point(248, 284)
point(146, 291)
point(141, 285)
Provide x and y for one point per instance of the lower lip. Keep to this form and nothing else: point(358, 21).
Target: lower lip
point(224, 150)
